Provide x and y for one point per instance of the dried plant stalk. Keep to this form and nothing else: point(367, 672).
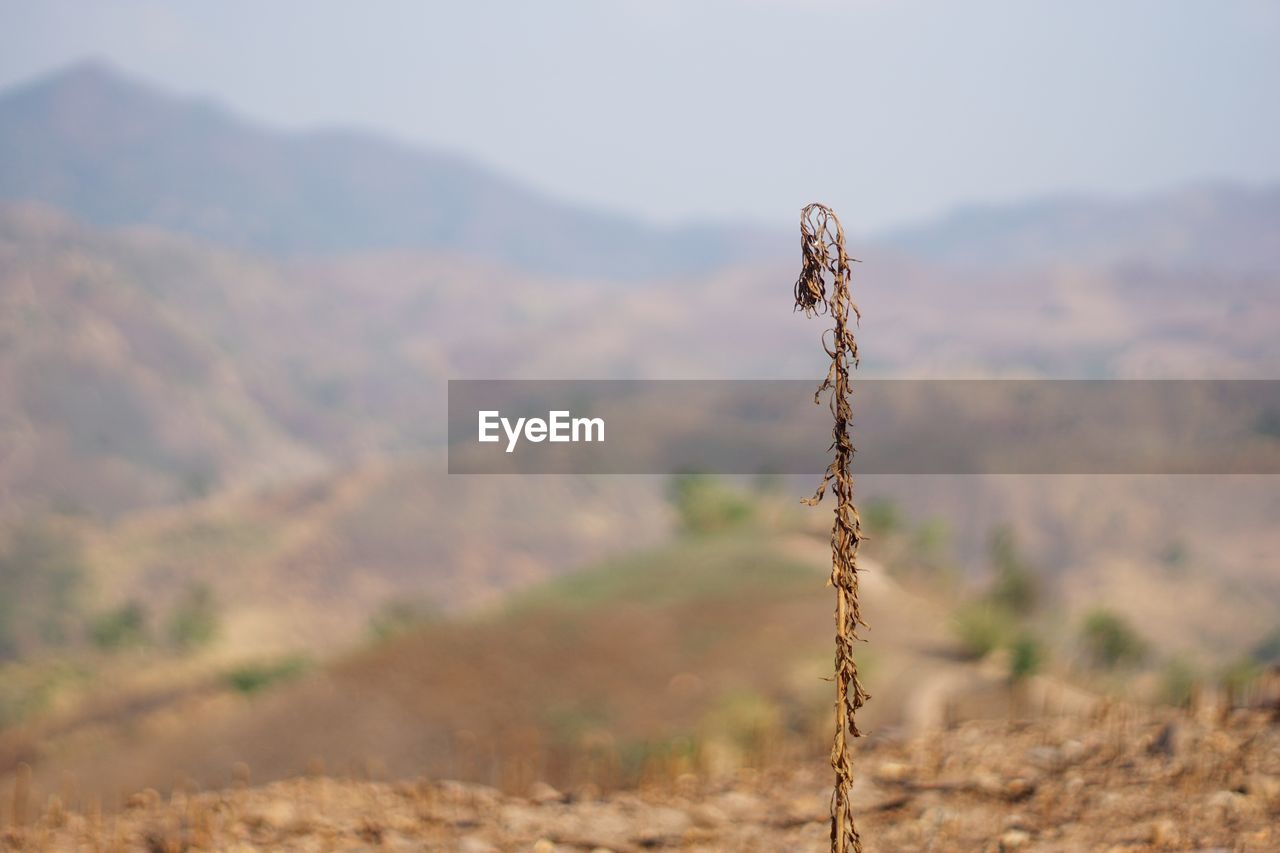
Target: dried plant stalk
point(823, 287)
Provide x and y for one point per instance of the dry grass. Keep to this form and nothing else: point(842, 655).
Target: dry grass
point(1119, 781)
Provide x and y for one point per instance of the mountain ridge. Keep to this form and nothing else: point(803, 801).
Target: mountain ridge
point(114, 151)
point(1209, 225)
point(117, 152)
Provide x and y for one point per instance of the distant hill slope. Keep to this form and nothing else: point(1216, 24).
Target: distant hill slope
point(139, 368)
point(1210, 227)
point(120, 385)
point(707, 640)
point(114, 152)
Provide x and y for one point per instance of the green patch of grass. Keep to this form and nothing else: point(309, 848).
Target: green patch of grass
point(982, 627)
point(707, 567)
point(1177, 683)
point(194, 621)
point(1110, 641)
point(251, 678)
point(706, 505)
point(402, 616)
point(29, 689)
point(746, 718)
point(568, 722)
point(120, 628)
point(1026, 657)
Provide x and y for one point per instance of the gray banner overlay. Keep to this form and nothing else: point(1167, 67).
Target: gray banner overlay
point(899, 427)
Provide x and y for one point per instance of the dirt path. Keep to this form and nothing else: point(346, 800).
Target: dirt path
point(918, 681)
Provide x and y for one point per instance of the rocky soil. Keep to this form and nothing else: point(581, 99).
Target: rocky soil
point(1116, 781)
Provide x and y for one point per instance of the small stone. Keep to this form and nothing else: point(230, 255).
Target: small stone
point(987, 782)
point(707, 816)
point(1045, 757)
point(276, 814)
point(1073, 751)
point(542, 793)
point(1229, 801)
point(543, 845)
point(894, 771)
point(740, 805)
point(664, 822)
point(1014, 839)
point(1018, 789)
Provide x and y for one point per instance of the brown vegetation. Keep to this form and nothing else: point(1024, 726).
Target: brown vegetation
point(1120, 781)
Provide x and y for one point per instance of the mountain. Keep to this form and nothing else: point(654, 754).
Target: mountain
point(1220, 227)
point(139, 368)
point(116, 152)
point(113, 151)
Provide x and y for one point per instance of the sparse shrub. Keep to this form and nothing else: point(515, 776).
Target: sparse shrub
point(1268, 649)
point(881, 517)
point(750, 721)
point(706, 505)
point(253, 677)
point(1174, 555)
point(1177, 683)
point(570, 723)
point(1109, 641)
point(981, 628)
point(767, 483)
point(930, 540)
point(194, 622)
point(1238, 677)
point(31, 688)
point(41, 579)
point(1016, 587)
point(120, 628)
point(399, 617)
point(1026, 656)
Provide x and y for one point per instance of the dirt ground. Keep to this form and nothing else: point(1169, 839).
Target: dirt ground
point(1120, 780)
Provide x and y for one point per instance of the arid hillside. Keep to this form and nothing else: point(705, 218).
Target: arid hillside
point(308, 568)
point(707, 647)
point(230, 552)
point(1118, 780)
point(708, 653)
point(140, 369)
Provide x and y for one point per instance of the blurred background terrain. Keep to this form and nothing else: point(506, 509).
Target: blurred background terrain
point(229, 549)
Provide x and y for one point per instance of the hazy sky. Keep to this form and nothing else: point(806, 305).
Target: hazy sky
point(684, 109)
